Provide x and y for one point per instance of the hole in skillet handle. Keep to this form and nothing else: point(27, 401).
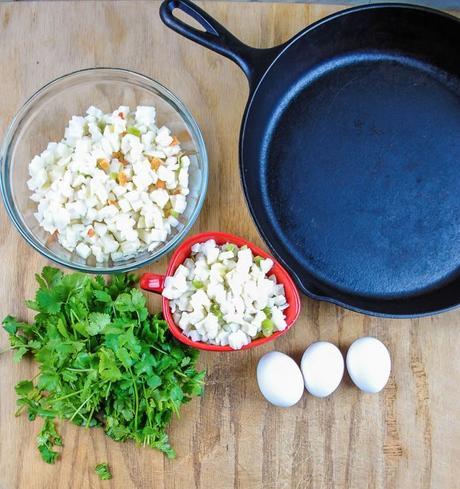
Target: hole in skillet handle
point(154, 283)
point(214, 36)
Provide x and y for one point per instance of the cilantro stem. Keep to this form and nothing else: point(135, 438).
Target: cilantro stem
point(67, 396)
point(90, 416)
point(79, 369)
point(82, 417)
point(72, 316)
point(81, 406)
point(147, 409)
point(158, 349)
point(136, 396)
point(108, 390)
point(20, 410)
point(38, 334)
point(178, 372)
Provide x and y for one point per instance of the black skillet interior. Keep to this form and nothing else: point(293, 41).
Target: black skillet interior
point(350, 156)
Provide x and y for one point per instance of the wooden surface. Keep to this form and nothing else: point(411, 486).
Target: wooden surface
point(406, 437)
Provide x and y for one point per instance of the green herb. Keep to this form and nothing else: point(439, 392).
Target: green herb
point(257, 260)
point(103, 471)
point(229, 247)
point(47, 439)
point(174, 214)
point(114, 175)
point(103, 361)
point(267, 311)
point(197, 284)
point(134, 131)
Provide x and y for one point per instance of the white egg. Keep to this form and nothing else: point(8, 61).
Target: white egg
point(322, 368)
point(369, 364)
point(280, 379)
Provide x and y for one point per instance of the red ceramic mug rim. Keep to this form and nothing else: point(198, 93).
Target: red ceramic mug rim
point(183, 251)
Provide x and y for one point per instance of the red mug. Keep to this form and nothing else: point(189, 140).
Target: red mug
point(154, 282)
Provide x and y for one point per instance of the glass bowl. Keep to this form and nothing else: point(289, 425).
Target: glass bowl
point(43, 118)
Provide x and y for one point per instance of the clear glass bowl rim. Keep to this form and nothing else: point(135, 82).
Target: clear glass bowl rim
point(144, 82)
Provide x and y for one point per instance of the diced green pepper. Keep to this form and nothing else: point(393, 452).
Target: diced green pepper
point(198, 284)
point(134, 131)
point(267, 327)
point(267, 312)
point(229, 247)
point(179, 160)
point(215, 309)
point(257, 260)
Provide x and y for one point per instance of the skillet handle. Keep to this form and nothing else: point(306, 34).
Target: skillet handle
point(252, 61)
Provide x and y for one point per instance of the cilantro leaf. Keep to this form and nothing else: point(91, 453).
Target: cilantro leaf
point(19, 353)
point(24, 387)
point(46, 440)
point(52, 276)
point(102, 296)
point(10, 325)
point(137, 299)
point(49, 300)
point(48, 381)
point(103, 471)
point(154, 381)
point(108, 369)
point(97, 322)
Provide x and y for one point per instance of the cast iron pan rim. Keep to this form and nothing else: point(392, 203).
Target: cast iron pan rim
point(342, 13)
point(299, 283)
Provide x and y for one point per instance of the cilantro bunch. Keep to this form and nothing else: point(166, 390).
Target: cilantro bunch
point(104, 361)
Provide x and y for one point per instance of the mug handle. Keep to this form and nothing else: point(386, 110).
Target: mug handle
point(152, 282)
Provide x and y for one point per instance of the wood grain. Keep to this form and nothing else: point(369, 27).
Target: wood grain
point(405, 437)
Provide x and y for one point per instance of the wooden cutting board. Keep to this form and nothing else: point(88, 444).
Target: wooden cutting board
point(406, 437)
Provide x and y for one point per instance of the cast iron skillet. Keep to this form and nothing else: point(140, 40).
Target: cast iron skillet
point(350, 153)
